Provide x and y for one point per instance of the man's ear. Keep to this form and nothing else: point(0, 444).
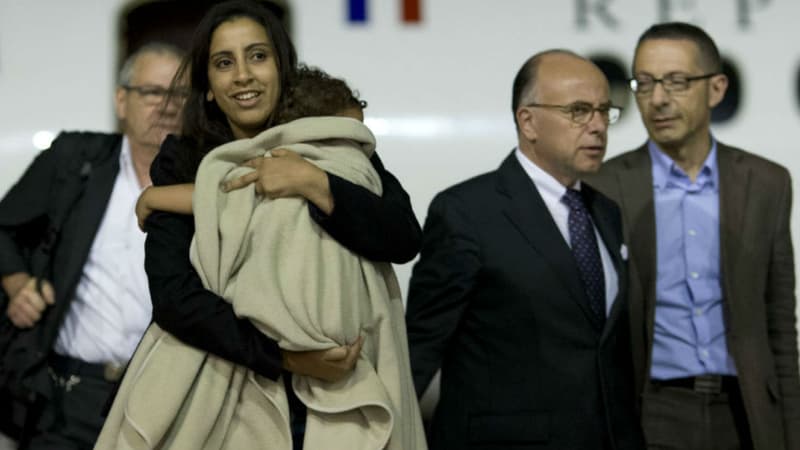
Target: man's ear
point(120, 102)
point(717, 86)
point(526, 121)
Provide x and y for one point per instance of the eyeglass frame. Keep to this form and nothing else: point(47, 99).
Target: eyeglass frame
point(571, 113)
point(157, 93)
point(632, 82)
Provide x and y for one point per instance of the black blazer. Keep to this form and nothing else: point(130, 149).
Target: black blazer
point(25, 214)
point(496, 300)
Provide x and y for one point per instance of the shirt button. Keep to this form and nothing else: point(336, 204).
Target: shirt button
point(692, 233)
point(695, 275)
point(704, 353)
point(698, 312)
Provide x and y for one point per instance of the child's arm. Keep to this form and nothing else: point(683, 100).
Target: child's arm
point(175, 198)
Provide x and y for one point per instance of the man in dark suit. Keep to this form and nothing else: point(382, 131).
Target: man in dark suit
point(81, 320)
point(711, 266)
point(519, 294)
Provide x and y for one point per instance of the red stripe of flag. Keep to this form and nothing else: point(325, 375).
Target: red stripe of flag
point(411, 11)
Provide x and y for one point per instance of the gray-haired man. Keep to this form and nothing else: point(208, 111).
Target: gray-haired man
point(83, 313)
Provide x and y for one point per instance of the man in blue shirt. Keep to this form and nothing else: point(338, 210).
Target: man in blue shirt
point(711, 263)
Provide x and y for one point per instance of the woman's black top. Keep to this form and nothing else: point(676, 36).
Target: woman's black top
point(380, 228)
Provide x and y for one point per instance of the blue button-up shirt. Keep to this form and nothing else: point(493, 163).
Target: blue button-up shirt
point(689, 330)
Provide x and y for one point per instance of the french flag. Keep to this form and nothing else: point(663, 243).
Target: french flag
point(357, 11)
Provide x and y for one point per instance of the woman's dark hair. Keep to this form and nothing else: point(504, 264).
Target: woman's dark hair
point(204, 124)
point(312, 92)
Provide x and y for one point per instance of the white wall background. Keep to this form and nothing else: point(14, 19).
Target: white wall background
point(441, 90)
point(438, 91)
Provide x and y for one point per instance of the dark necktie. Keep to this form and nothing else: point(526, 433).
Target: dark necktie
point(586, 252)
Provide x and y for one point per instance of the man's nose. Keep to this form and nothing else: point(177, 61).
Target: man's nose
point(659, 94)
point(172, 105)
point(598, 122)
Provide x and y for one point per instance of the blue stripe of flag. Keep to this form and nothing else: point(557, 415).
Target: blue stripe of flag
point(358, 11)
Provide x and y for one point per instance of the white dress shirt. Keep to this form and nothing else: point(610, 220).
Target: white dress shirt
point(551, 192)
point(111, 309)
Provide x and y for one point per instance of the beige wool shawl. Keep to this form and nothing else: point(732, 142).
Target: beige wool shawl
point(279, 269)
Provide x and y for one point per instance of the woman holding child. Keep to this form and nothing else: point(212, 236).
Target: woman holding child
point(239, 68)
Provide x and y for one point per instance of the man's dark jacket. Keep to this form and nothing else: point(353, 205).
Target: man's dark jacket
point(496, 300)
point(66, 187)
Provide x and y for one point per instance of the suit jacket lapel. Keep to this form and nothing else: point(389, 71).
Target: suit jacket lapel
point(635, 183)
point(734, 181)
point(81, 228)
point(528, 213)
point(605, 223)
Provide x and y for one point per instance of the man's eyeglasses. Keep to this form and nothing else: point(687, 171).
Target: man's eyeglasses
point(671, 82)
point(156, 94)
point(582, 113)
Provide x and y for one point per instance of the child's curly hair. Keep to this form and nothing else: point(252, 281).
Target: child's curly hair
point(312, 92)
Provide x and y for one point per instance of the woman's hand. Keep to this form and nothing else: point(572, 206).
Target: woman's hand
point(332, 364)
point(287, 174)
